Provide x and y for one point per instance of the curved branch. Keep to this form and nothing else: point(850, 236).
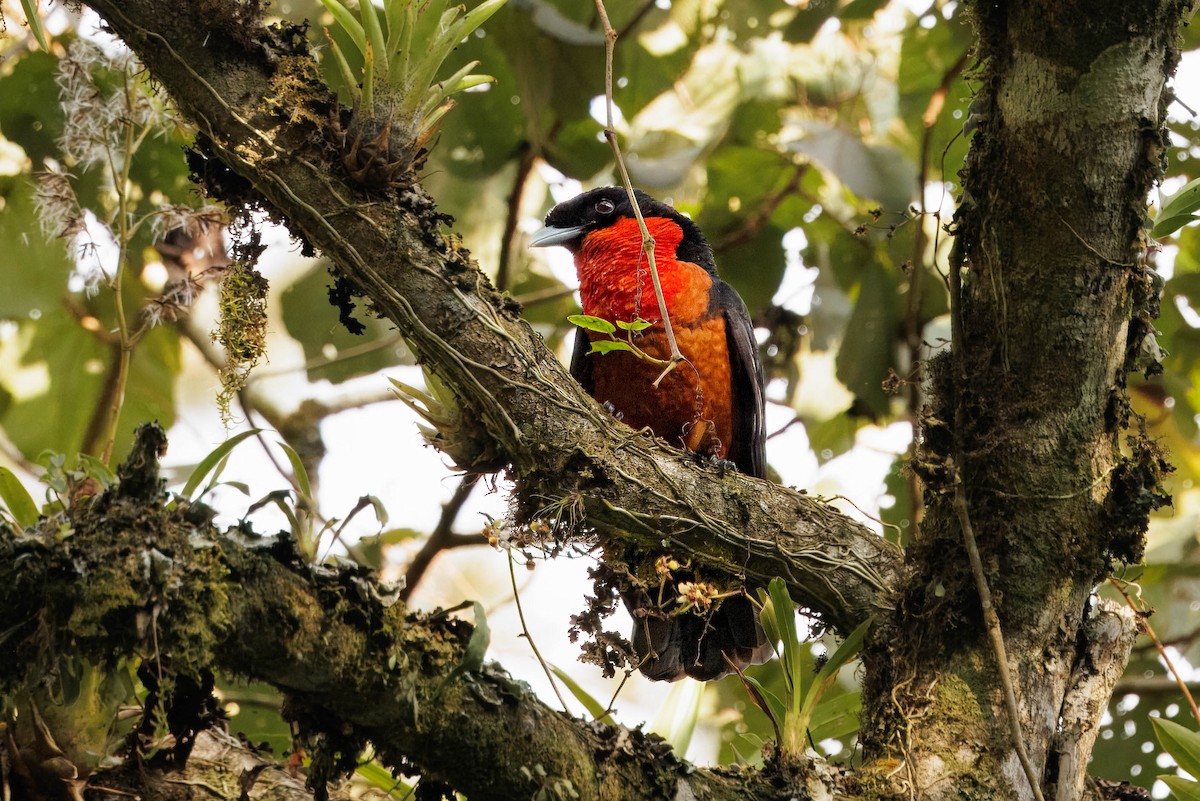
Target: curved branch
point(355, 666)
point(517, 406)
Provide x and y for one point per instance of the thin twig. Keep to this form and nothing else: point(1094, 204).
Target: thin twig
point(608, 710)
point(753, 224)
point(343, 355)
point(545, 295)
point(610, 133)
point(992, 623)
point(1097, 253)
point(442, 538)
point(864, 513)
point(508, 241)
point(512, 574)
point(636, 19)
point(913, 327)
point(249, 410)
point(1144, 622)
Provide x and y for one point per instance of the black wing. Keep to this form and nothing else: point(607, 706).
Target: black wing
point(581, 365)
point(749, 437)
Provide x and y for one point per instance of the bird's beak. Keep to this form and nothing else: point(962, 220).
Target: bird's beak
point(550, 235)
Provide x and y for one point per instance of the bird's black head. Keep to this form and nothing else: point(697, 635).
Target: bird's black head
point(570, 221)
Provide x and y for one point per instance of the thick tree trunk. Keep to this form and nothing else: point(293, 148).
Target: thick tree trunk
point(1027, 414)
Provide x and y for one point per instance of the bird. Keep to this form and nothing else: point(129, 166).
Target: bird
point(710, 404)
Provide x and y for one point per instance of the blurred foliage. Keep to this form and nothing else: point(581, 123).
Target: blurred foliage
point(806, 137)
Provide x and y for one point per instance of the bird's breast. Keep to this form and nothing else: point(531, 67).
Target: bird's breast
point(692, 407)
point(615, 280)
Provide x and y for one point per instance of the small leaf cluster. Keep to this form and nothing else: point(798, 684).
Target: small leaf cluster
point(796, 713)
point(394, 93)
point(601, 326)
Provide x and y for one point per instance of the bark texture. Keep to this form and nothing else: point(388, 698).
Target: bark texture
point(1029, 411)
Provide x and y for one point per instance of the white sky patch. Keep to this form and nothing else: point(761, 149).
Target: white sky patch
point(95, 253)
point(558, 260)
point(939, 199)
point(1189, 315)
point(1187, 86)
point(858, 474)
point(796, 290)
point(599, 112)
point(789, 453)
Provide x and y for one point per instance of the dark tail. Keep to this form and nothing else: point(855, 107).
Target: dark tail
point(672, 645)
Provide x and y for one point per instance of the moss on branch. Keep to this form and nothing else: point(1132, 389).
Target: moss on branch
point(141, 576)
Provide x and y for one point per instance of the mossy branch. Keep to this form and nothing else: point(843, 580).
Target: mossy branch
point(527, 411)
point(366, 669)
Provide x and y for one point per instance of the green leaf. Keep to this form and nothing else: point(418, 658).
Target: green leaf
point(282, 500)
point(381, 778)
point(380, 510)
point(1180, 742)
point(348, 22)
point(1178, 210)
point(349, 82)
point(369, 550)
point(29, 115)
point(17, 499)
point(596, 709)
point(210, 461)
point(636, 325)
point(472, 659)
point(479, 15)
point(828, 673)
point(868, 349)
point(833, 437)
point(1183, 789)
point(873, 172)
point(835, 717)
point(472, 151)
point(591, 323)
point(677, 716)
point(256, 713)
point(312, 321)
point(92, 467)
point(1164, 226)
point(609, 346)
point(767, 701)
point(477, 646)
point(35, 22)
point(374, 33)
point(784, 613)
point(298, 470)
point(929, 59)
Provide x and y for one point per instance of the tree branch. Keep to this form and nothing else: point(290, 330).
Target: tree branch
point(357, 668)
point(517, 405)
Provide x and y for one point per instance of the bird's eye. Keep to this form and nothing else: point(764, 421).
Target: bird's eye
point(606, 207)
